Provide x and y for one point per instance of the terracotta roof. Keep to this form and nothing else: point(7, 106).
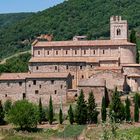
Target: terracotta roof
point(131, 65)
point(108, 68)
point(134, 76)
point(82, 43)
point(23, 76)
point(72, 59)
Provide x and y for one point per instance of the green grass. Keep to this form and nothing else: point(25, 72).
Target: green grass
point(71, 131)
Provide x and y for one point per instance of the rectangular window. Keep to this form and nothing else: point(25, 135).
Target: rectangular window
point(36, 67)
point(94, 51)
point(81, 67)
point(56, 52)
point(39, 86)
point(36, 91)
point(67, 67)
point(20, 83)
point(66, 52)
point(48, 52)
point(38, 52)
point(75, 51)
point(55, 67)
point(55, 92)
point(24, 96)
point(84, 51)
point(34, 82)
point(52, 82)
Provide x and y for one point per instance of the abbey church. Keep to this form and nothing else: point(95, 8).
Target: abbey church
point(62, 68)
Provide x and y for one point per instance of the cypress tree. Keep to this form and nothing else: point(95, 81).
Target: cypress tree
point(106, 98)
point(81, 110)
point(136, 109)
point(117, 108)
point(103, 110)
point(60, 116)
point(51, 114)
point(133, 39)
point(71, 115)
point(1, 114)
point(92, 111)
point(127, 109)
point(41, 112)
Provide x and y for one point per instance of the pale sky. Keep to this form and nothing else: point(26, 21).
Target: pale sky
point(15, 6)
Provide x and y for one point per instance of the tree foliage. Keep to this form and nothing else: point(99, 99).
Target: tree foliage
point(81, 110)
point(103, 110)
point(60, 116)
point(127, 109)
point(136, 108)
point(23, 114)
point(1, 114)
point(51, 113)
point(107, 101)
point(7, 106)
point(92, 110)
point(117, 107)
point(71, 115)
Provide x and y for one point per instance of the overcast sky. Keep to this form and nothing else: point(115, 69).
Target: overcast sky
point(14, 6)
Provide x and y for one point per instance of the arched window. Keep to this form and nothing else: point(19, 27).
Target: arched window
point(118, 32)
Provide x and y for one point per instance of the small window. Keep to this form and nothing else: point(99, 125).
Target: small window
point(56, 52)
point(94, 51)
point(84, 51)
point(36, 67)
point(34, 82)
point(55, 92)
point(75, 51)
point(24, 96)
point(5, 95)
point(55, 67)
point(76, 95)
point(81, 67)
point(38, 52)
point(29, 85)
point(66, 52)
point(48, 52)
point(52, 82)
point(82, 76)
point(118, 32)
point(91, 66)
point(103, 51)
point(20, 83)
point(8, 84)
point(61, 86)
point(67, 67)
point(39, 86)
point(36, 91)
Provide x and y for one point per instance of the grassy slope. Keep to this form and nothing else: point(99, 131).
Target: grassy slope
point(73, 17)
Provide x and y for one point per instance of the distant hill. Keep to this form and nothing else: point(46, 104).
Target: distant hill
point(72, 17)
point(8, 19)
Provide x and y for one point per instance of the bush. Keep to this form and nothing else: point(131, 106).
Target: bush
point(7, 106)
point(23, 114)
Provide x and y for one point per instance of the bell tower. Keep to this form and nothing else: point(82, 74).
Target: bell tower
point(118, 28)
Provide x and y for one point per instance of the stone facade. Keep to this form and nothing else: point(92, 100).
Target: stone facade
point(62, 68)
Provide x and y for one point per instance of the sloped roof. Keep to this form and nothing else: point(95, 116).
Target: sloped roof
point(82, 43)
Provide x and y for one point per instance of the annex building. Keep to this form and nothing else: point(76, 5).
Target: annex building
point(62, 68)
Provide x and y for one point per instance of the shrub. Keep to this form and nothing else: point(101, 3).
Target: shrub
point(7, 106)
point(23, 114)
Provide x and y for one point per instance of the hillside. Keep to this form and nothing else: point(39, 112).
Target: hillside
point(8, 19)
point(73, 17)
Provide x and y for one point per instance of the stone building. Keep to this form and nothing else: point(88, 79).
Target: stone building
point(63, 68)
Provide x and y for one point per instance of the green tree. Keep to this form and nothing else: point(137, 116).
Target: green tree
point(103, 110)
point(42, 114)
point(7, 106)
point(91, 109)
point(23, 114)
point(107, 101)
point(127, 109)
point(1, 114)
point(136, 108)
point(60, 116)
point(71, 115)
point(81, 110)
point(51, 113)
point(133, 39)
point(116, 107)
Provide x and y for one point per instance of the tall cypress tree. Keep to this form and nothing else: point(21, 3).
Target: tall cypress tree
point(103, 110)
point(51, 113)
point(117, 108)
point(133, 39)
point(1, 114)
point(41, 112)
point(127, 109)
point(81, 110)
point(71, 115)
point(107, 101)
point(92, 111)
point(136, 109)
point(60, 116)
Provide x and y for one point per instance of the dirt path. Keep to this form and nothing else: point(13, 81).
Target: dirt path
point(17, 54)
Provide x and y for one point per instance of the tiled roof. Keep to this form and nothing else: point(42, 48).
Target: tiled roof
point(134, 76)
point(23, 76)
point(72, 59)
point(82, 43)
point(108, 68)
point(131, 65)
